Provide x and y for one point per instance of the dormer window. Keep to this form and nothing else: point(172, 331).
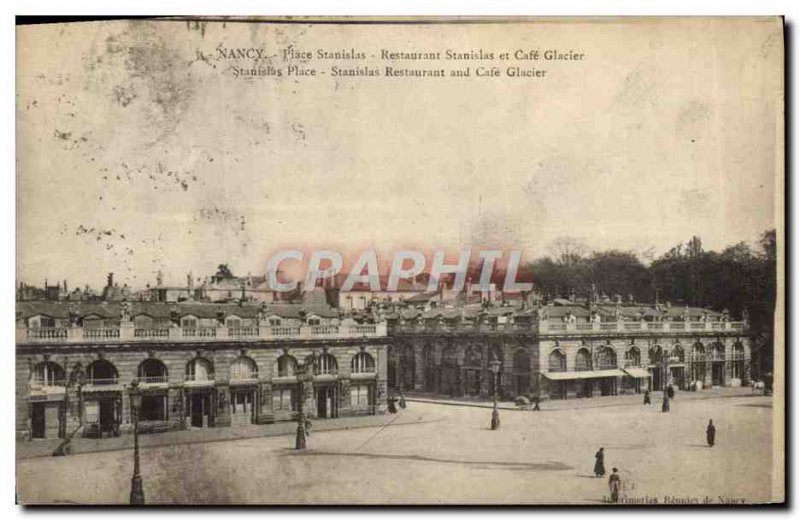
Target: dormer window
point(189, 323)
point(313, 321)
point(275, 322)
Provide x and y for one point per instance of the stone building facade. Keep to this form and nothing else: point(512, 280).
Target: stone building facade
point(565, 350)
point(198, 365)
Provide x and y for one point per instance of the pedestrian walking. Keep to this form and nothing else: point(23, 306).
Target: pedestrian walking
point(671, 392)
point(391, 405)
point(599, 465)
point(536, 404)
point(647, 397)
point(614, 485)
point(711, 432)
point(665, 404)
point(402, 402)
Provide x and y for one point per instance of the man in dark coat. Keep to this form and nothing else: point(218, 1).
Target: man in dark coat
point(647, 397)
point(391, 405)
point(614, 485)
point(711, 432)
point(671, 392)
point(599, 465)
point(665, 404)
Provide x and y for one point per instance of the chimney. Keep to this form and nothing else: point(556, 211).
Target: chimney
point(189, 281)
point(65, 286)
point(110, 280)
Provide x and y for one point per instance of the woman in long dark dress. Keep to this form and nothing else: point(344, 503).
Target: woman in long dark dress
point(614, 485)
point(711, 432)
point(599, 466)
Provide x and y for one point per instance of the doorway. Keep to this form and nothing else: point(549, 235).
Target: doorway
point(242, 407)
point(718, 373)
point(657, 381)
point(200, 409)
point(677, 377)
point(38, 422)
point(107, 415)
point(327, 403)
point(608, 386)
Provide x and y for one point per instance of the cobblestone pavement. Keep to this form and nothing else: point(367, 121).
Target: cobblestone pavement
point(439, 454)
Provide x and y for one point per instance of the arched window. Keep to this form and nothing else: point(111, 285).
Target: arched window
point(473, 356)
point(698, 352)
point(698, 362)
point(429, 355)
point(522, 361)
point(678, 354)
point(606, 358)
point(719, 352)
point(633, 357)
point(363, 363)
point(287, 366)
point(244, 369)
point(152, 371)
point(557, 361)
point(102, 372)
point(199, 369)
point(326, 364)
point(583, 360)
point(655, 355)
point(48, 373)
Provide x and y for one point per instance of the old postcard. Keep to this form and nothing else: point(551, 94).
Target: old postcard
point(400, 261)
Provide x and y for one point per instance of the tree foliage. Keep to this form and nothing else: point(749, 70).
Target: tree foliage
point(737, 278)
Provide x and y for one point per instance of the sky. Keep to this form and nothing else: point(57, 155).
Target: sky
point(140, 151)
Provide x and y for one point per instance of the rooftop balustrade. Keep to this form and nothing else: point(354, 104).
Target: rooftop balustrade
point(132, 334)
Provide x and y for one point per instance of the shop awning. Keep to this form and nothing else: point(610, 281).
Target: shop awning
point(636, 372)
point(586, 374)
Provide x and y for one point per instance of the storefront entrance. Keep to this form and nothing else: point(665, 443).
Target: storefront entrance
point(608, 386)
point(243, 406)
point(657, 381)
point(472, 381)
point(102, 414)
point(718, 373)
point(200, 410)
point(678, 379)
point(327, 398)
point(38, 421)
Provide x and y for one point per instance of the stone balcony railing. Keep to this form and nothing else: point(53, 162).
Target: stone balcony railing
point(131, 334)
point(549, 328)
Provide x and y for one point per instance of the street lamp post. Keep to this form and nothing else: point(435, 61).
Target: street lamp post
point(495, 366)
point(137, 489)
point(303, 376)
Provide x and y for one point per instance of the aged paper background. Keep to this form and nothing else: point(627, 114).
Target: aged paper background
point(143, 146)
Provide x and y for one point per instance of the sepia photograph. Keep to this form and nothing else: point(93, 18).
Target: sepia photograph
point(532, 261)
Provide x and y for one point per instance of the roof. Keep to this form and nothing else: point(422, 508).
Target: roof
point(421, 298)
point(558, 311)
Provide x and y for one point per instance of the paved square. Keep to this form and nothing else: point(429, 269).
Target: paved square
point(447, 455)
